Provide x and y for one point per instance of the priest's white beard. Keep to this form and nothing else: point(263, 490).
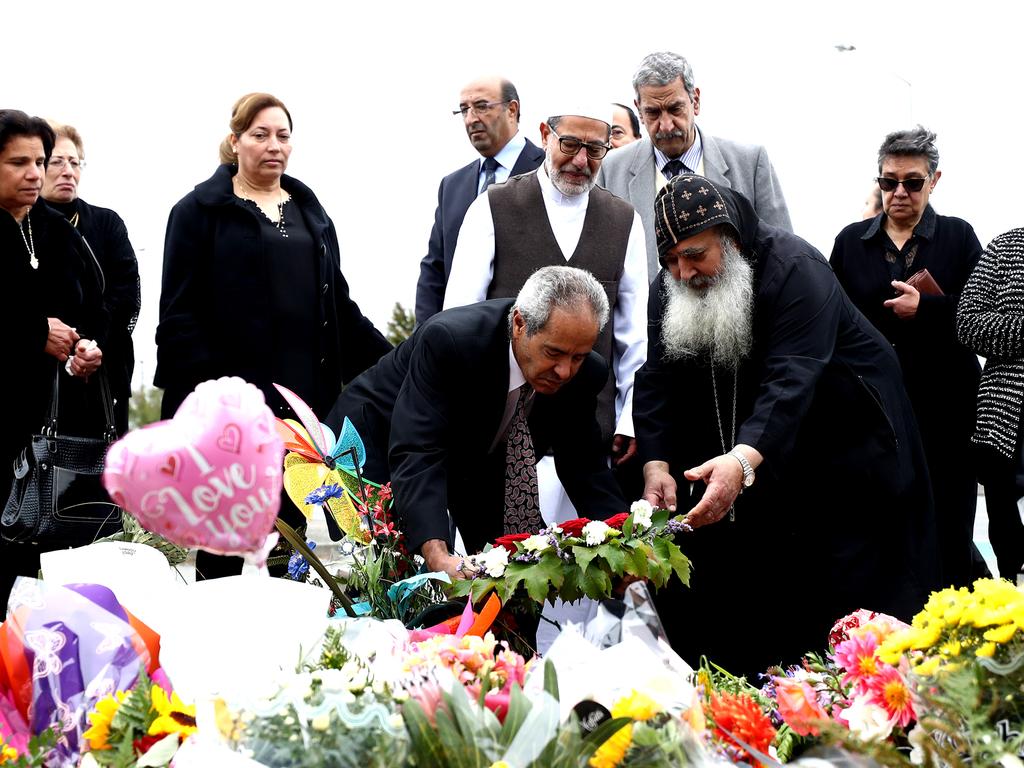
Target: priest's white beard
point(711, 315)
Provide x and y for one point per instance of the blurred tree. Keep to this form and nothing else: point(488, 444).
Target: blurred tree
point(144, 407)
point(401, 324)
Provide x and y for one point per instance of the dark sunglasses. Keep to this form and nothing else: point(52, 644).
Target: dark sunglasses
point(911, 185)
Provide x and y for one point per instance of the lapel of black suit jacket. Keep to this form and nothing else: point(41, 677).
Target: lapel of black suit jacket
point(530, 158)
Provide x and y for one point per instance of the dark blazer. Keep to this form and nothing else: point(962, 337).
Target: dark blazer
point(215, 311)
point(435, 405)
point(454, 195)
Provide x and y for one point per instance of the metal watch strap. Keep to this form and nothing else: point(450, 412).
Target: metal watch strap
point(748, 470)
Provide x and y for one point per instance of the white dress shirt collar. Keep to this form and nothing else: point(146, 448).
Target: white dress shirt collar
point(507, 156)
point(515, 373)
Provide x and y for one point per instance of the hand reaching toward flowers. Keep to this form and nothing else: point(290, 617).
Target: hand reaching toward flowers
point(659, 486)
point(435, 552)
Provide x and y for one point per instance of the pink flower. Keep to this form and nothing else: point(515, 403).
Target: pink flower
point(856, 655)
point(798, 705)
point(889, 690)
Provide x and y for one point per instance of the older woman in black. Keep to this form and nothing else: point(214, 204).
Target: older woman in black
point(873, 260)
point(51, 310)
point(252, 285)
point(107, 237)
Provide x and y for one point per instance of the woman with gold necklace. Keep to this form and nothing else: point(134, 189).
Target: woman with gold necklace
point(51, 313)
point(252, 282)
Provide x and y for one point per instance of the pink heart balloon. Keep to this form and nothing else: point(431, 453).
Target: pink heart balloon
point(208, 478)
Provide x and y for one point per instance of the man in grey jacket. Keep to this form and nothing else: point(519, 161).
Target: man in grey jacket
point(668, 103)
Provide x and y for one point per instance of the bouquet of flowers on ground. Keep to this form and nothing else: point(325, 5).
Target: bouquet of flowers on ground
point(581, 557)
point(965, 652)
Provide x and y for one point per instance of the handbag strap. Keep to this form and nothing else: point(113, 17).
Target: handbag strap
point(109, 431)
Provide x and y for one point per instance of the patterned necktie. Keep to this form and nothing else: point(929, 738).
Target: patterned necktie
point(490, 166)
point(673, 168)
point(522, 504)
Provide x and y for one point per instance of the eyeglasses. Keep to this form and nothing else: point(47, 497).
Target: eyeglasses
point(482, 108)
point(570, 146)
point(60, 162)
point(911, 185)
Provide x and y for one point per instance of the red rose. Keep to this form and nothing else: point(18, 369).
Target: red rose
point(573, 527)
point(509, 541)
point(616, 521)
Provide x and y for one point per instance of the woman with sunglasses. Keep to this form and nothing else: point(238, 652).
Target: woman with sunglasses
point(107, 237)
point(878, 262)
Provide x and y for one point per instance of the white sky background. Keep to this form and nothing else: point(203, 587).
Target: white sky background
point(371, 87)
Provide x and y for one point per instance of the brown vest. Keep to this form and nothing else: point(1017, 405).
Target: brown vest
point(524, 242)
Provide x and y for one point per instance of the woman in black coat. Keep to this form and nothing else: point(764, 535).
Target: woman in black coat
point(252, 284)
point(52, 313)
point(107, 238)
point(874, 259)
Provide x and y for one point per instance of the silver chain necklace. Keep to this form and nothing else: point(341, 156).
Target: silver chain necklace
point(718, 416)
point(30, 244)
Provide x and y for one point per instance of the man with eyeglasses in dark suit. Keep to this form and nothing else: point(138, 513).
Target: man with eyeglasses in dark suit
point(489, 108)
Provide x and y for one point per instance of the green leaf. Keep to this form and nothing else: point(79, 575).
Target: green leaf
point(481, 587)
point(583, 556)
point(658, 568)
point(133, 716)
point(636, 560)
point(602, 733)
point(614, 556)
point(463, 587)
point(518, 709)
point(570, 591)
point(423, 737)
point(541, 577)
point(551, 679)
point(658, 518)
point(627, 527)
point(670, 553)
point(595, 583)
point(515, 573)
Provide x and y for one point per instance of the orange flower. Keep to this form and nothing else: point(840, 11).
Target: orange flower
point(798, 705)
point(737, 717)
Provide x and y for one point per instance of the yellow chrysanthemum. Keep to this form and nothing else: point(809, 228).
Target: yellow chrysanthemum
point(637, 706)
point(929, 666)
point(1001, 634)
point(950, 648)
point(8, 754)
point(986, 650)
point(98, 734)
point(172, 714)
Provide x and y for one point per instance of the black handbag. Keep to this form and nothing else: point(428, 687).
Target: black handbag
point(57, 497)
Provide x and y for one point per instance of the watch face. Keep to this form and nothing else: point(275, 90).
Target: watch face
point(748, 480)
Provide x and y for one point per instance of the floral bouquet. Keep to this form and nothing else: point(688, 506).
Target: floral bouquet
point(581, 557)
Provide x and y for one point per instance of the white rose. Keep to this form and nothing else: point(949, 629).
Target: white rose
point(535, 543)
point(868, 722)
point(595, 532)
point(641, 511)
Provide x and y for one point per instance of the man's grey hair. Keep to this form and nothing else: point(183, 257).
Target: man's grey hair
point(662, 68)
point(567, 288)
point(915, 142)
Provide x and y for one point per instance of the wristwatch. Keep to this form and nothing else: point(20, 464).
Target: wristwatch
point(748, 471)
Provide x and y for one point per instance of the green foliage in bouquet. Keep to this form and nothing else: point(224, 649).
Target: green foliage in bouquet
point(466, 734)
point(581, 558)
point(37, 752)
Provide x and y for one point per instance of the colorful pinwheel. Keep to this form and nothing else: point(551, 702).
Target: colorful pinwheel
point(317, 458)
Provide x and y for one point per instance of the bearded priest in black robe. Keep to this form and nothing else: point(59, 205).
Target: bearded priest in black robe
point(773, 414)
